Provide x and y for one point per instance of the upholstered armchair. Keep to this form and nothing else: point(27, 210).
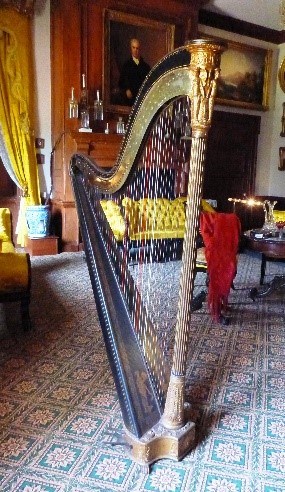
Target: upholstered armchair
point(15, 270)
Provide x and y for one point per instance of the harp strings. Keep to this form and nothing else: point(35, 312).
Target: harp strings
point(163, 162)
point(165, 158)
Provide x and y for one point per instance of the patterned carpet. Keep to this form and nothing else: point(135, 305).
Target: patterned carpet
point(59, 415)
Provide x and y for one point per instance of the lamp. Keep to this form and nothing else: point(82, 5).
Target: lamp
point(250, 202)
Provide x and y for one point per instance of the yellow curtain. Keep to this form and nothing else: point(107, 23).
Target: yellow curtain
point(17, 107)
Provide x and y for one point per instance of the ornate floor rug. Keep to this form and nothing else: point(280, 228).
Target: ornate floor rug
point(60, 420)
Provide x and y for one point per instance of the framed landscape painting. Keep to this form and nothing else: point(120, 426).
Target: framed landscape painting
point(244, 79)
point(156, 40)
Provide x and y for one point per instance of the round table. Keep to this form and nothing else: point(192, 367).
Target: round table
point(271, 248)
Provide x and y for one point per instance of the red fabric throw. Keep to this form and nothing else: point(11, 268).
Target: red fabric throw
point(221, 234)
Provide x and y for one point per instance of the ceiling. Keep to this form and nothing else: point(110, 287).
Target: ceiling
point(261, 12)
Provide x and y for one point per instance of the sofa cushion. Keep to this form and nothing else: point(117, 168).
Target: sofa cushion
point(279, 215)
point(14, 272)
point(7, 247)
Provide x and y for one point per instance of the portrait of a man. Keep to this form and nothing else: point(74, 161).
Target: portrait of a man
point(132, 74)
point(132, 46)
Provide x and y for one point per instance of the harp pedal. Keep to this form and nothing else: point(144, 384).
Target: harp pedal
point(116, 442)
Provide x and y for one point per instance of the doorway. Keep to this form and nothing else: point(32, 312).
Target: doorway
point(230, 166)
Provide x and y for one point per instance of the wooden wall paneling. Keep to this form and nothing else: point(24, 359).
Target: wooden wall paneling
point(7, 186)
point(72, 57)
point(84, 35)
point(105, 150)
point(63, 207)
point(66, 63)
point(65, 222)
point(93, 42)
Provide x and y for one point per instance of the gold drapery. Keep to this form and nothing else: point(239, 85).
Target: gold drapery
point(17, 108)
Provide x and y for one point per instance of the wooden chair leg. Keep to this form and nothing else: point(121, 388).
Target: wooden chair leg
point(262, 269)
point(25, 314)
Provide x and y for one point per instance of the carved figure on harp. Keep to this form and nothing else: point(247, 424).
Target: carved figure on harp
point(204, 87)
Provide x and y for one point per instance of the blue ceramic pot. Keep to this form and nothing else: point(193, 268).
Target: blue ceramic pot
point(38, 220)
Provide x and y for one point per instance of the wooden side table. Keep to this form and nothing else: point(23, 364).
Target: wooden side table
point(42, 246)
point(271, 249)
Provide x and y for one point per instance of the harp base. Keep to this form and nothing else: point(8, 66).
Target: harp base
point(160, 443)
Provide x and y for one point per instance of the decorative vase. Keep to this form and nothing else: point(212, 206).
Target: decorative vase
point(269, 224)
point(38, 220)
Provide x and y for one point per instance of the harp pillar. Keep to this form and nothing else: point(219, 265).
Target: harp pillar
point(174, 436)
point(204, 71)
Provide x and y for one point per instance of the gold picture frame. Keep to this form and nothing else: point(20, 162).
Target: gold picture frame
point(281, 165)
point(157, 39)
point(281, 75)
point(245, 75)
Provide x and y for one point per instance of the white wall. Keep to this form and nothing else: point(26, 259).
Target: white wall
point(277, 178)
point(43, 86)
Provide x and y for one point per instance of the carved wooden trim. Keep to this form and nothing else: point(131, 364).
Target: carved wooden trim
point(84, 39)
point(226, 23)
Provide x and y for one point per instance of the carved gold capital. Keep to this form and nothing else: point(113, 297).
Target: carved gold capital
point(204, 72)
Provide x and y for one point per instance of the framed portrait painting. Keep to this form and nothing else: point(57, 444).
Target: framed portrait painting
point(244, 78)
point(156, 40)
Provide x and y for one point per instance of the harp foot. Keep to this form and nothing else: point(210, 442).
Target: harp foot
point(160, 443)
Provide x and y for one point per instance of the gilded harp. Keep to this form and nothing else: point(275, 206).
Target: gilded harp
point(129, 223)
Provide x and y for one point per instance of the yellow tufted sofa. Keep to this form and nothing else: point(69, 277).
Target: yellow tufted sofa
point(159, 218)
point(279, 215)
point(148, 218)
point(115, 218)
point(15, 271)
